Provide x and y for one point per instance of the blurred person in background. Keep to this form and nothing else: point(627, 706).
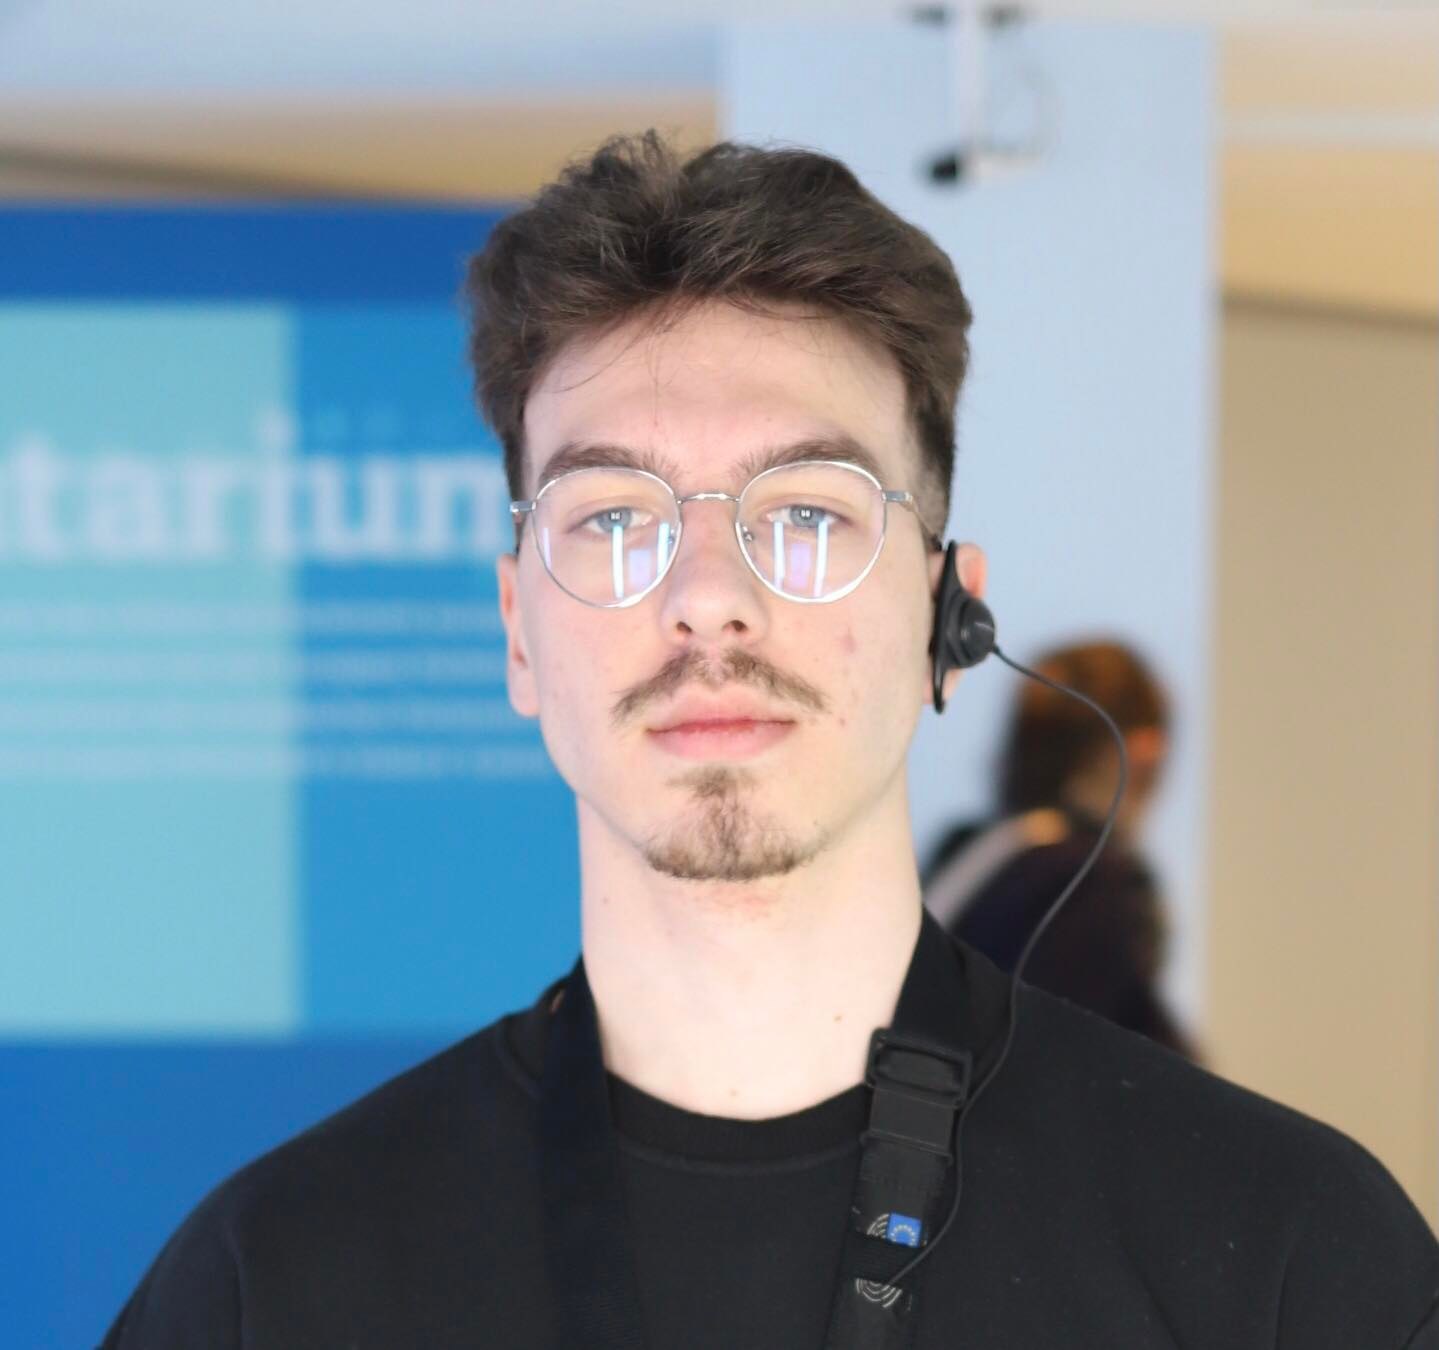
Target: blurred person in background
point(990, 881)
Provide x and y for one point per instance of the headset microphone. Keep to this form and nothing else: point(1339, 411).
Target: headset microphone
point(964, 631)
point(964, 634)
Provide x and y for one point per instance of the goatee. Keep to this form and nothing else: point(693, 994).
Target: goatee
point(723, 840)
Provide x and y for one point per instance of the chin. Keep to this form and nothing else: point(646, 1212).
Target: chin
point(685, 860)
point(724, 839)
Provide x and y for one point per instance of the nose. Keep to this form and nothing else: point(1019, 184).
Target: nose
point(710, 593)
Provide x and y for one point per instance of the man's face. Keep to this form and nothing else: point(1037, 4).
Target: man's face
point(722, 732)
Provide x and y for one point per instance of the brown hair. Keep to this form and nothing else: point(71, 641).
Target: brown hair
point(636, 228)
point(1053, 737)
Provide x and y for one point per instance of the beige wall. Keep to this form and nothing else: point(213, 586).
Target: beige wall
point(1324, 940)
point(410, 148)
point(1329, 177)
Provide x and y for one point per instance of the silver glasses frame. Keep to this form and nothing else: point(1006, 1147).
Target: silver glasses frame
point(888, 497)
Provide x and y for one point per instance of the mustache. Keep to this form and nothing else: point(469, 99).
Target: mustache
point(734, 666)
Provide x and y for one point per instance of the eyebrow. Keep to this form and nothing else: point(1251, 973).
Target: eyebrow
point(842, 447)
point(574, 455)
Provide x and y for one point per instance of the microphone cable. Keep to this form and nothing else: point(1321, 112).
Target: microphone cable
point(1045, 921)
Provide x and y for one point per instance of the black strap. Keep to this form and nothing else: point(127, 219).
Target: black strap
point(590, 1257)
point(919, 1072)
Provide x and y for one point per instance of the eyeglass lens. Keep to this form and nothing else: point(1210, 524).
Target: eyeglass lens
point(810, 530)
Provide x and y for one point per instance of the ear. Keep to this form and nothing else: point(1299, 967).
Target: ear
point(1147, 748)
point(1147, 744)
point(970, 564)
point(519, 673)
point(972, 568)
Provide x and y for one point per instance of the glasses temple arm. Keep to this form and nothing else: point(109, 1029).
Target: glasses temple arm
point(936, 544)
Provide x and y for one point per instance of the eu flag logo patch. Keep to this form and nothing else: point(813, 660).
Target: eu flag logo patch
point(903, 1230)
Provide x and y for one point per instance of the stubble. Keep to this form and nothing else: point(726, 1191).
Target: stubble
point(721, 838)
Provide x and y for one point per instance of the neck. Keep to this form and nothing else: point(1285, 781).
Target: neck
point(748, 1000)
point(1095, 796)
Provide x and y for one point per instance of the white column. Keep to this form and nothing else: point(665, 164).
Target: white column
point(1085, 456)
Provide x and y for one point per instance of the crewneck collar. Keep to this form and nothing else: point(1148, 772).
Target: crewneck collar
point(656, 1126)
point(660, 1127)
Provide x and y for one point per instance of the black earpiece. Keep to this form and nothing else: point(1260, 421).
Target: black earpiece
point(964, 630)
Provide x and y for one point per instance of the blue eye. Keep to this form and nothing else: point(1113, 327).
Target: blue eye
point(802, 516)
point(612, 517)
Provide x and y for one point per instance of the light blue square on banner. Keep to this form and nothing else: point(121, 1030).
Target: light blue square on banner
point(146, 825)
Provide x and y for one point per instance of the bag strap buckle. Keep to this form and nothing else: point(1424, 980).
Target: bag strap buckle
point(918, 1086)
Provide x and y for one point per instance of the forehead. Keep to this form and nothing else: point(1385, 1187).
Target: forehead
point(711, 396)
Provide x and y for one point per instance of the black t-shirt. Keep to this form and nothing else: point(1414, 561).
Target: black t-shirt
point(1114, 1195)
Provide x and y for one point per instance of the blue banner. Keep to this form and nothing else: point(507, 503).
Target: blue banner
point(260, 784)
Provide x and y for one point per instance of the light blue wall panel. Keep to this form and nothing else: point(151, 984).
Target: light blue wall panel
point(1085, 437)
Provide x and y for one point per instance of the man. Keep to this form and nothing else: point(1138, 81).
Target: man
point(989, 882)
point(665, 1149)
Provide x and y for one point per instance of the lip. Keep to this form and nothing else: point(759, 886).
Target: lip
point(721, 738)
point(730, 728)
point(695, 711)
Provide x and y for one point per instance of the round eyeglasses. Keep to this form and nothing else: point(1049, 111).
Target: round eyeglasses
point(809, 531)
